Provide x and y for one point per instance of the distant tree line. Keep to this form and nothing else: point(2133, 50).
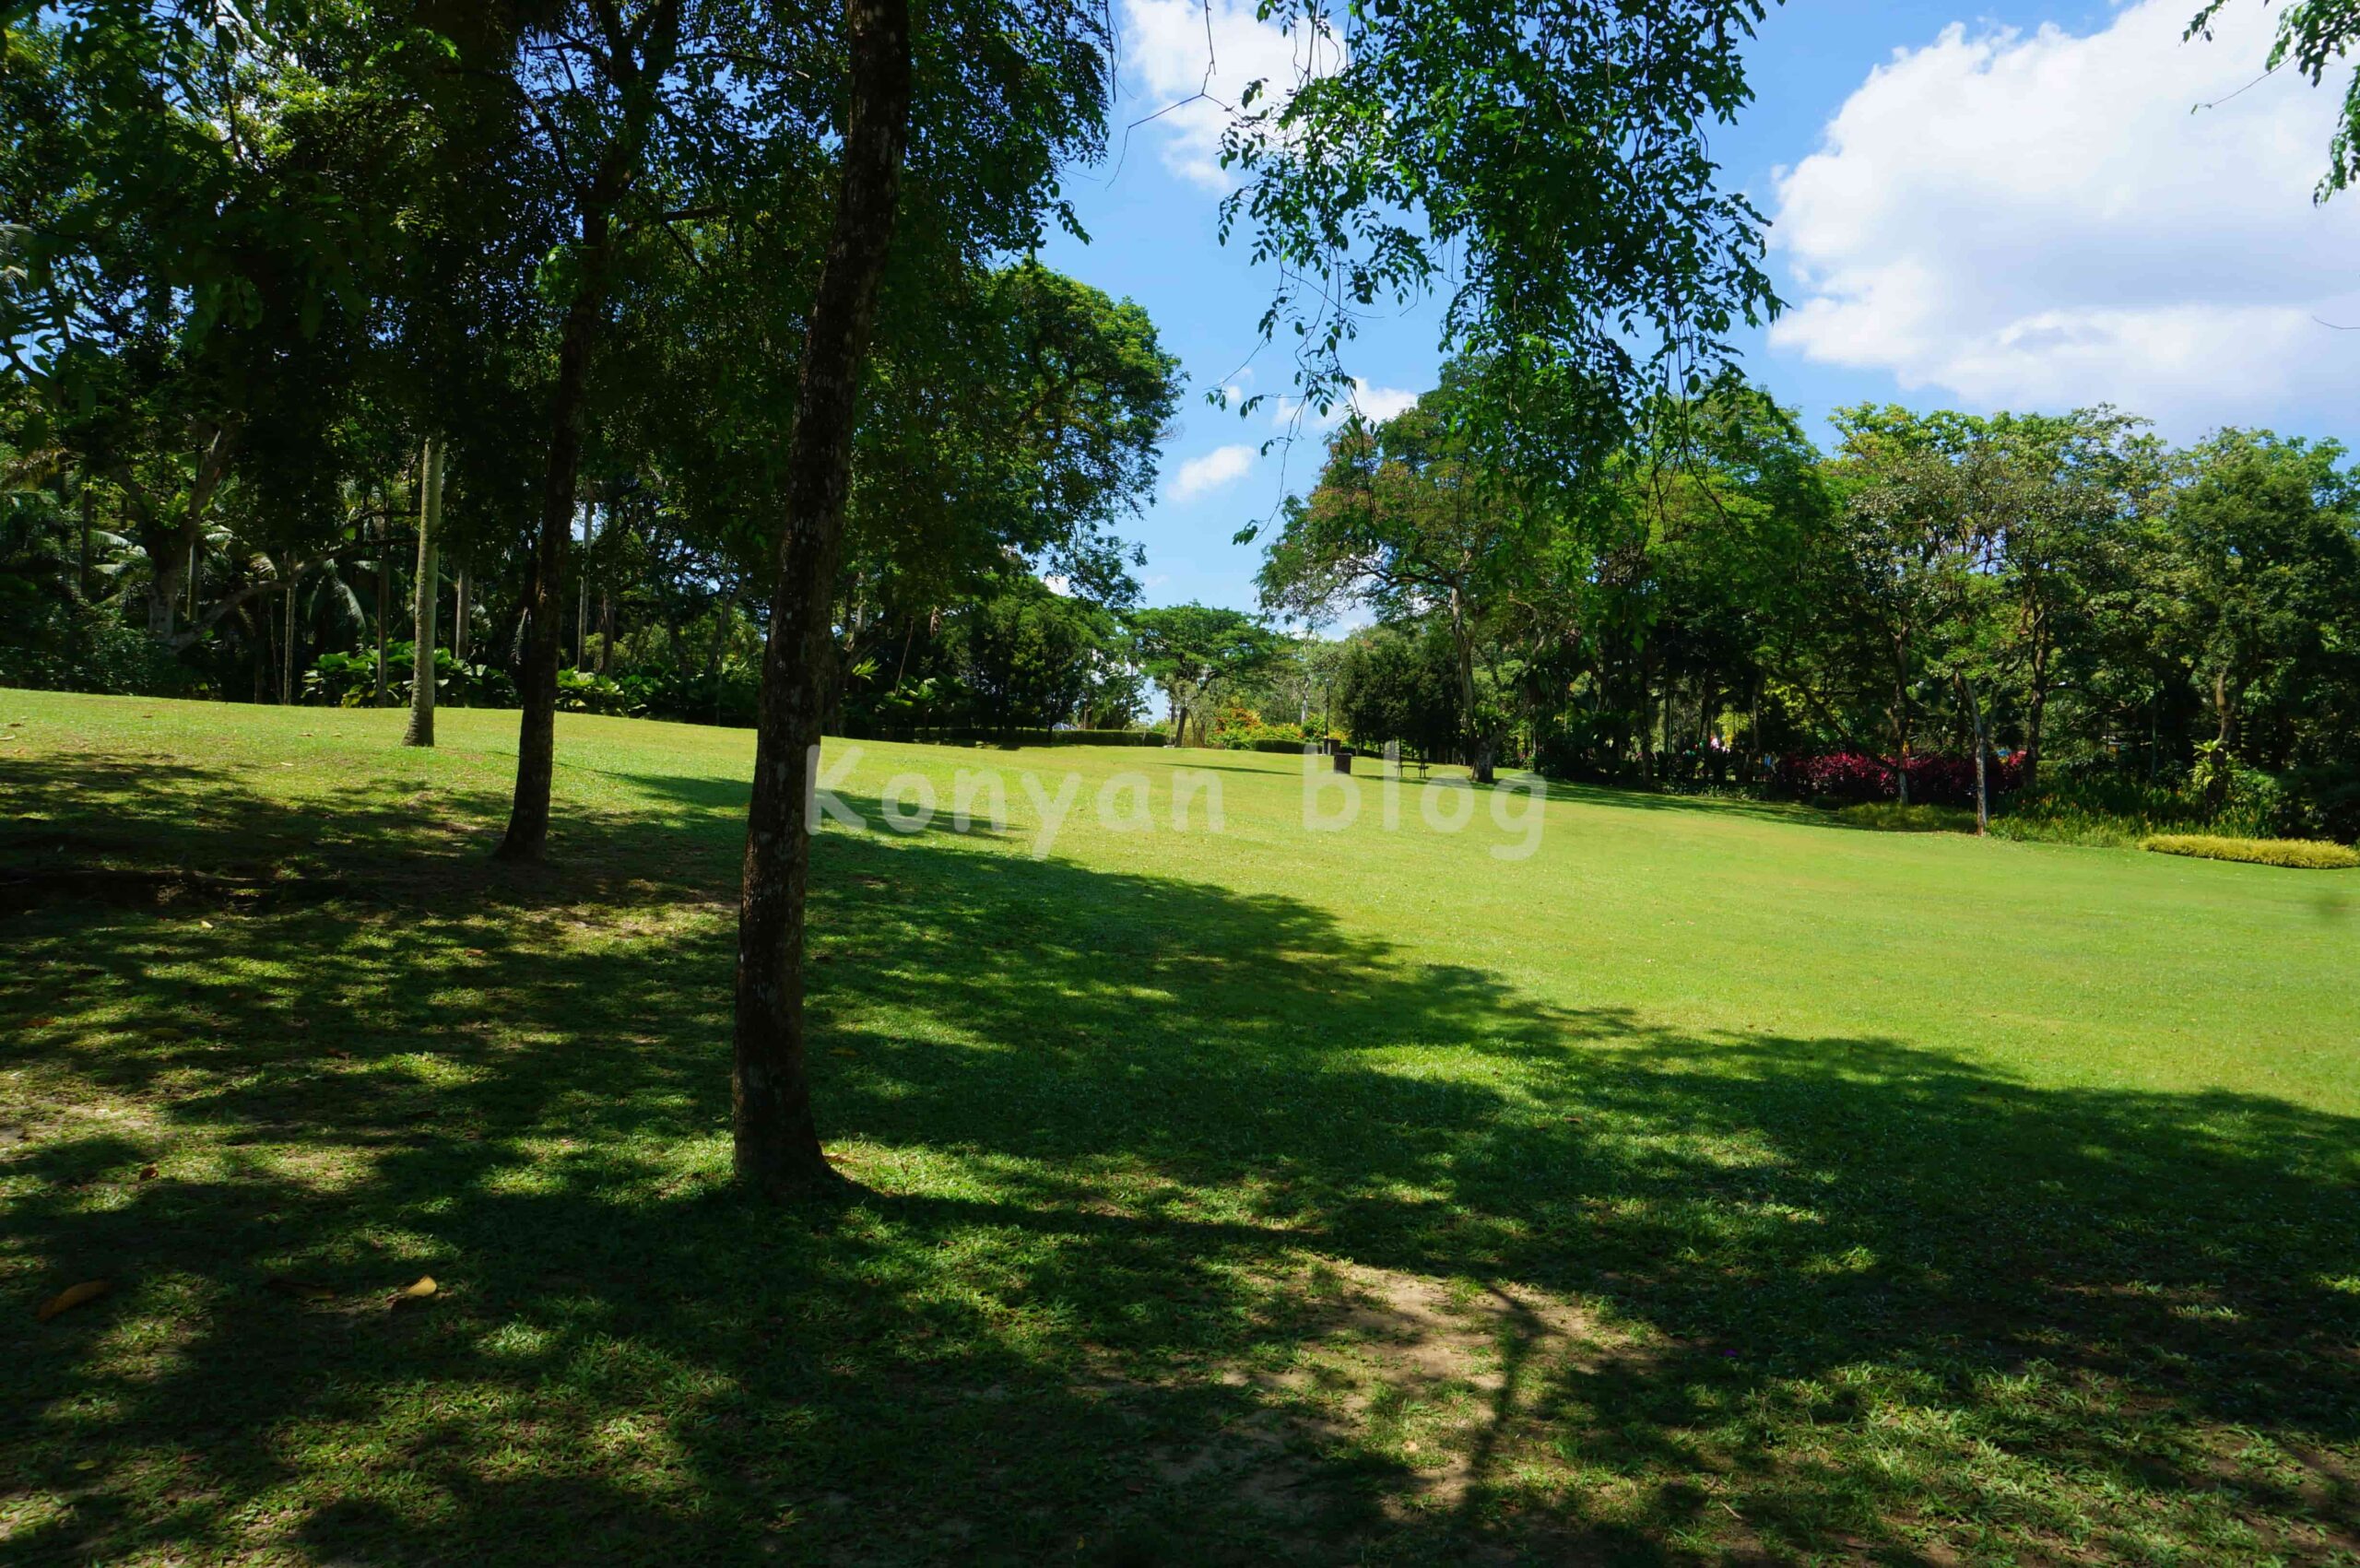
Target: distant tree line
point(2069, 592)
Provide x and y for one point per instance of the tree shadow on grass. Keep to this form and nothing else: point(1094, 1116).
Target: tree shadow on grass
point(1146, 1158)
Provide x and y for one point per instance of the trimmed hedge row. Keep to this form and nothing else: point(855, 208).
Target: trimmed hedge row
point(2302, 855)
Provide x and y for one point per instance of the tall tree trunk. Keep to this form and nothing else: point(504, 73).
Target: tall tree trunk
point(1901, 734)
point(528, 811)
point(1753, 732)
point(461, 611)
point(430, 592)
point(82, 559)
point(1646, 714)
point(721, 624)
point(582, 592)
point(777, 1142)
point(1973, 707)
point(1478, 746)
point(2036, 709)
point(287, 652)
point(384, 574)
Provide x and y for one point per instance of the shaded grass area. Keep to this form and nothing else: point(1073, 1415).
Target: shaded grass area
point(1203, 1225)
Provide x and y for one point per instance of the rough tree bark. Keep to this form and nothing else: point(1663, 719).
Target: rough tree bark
point(777, 1142)
point(429, 526)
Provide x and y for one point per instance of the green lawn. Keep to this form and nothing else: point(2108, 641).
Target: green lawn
point(1718, 1184)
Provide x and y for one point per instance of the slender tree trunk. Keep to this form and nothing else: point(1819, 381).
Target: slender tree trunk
point(1972, 706)
point(1646, 714)
point(430, 592)
point(2036, 709)
point(461, 613)
point(777, 1142)
point(287, 652)
point(1478, 746)
point(721, 614)
point(1754, 733)
point(581, 593)
point(528, 811)
point(1901, 734)
point(384, 573)
point(82, 560)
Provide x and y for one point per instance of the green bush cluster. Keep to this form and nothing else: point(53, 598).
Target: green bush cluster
point(587, 692)
point(349, 681)
point(977, 734)
point(67, 645)
point(1890, 817)
point(1255, 736)
point(2116, 813)
point(2306, 854)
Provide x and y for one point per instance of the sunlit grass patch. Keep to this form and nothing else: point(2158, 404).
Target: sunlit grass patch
point(1711, 1183)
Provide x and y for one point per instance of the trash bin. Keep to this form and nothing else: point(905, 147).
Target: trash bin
point(1343, 758)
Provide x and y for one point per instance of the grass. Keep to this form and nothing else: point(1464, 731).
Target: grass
point(2307, 855)
point(1712, 1186)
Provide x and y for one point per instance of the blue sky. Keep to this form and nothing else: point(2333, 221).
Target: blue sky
point(2010, 207)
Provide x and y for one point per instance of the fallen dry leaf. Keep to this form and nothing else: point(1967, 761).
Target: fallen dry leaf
point(73, 1296)
point(147, 1172)
point(418, 1291)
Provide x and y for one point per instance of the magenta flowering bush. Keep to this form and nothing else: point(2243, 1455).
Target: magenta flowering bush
point(1854, 778)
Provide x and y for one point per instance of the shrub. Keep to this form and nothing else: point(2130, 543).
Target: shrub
point(984, 735)
point(728, 696)
point(70, 647)
point(2306, 854)
point(585, 691)
point(349, 681)
point(1890, 817)
point(1853, 778)
point(2119, 813)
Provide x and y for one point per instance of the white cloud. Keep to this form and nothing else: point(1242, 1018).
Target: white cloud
point(1222, 466)
point(1375, 403)
point(1188, 62)
point(2039, 220)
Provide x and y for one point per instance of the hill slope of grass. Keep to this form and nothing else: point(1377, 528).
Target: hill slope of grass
point(1716, 1182)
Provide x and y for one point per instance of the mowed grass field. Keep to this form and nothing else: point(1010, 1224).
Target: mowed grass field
point(1716, 1185)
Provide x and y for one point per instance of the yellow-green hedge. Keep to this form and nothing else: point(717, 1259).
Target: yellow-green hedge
point(2308, 854)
